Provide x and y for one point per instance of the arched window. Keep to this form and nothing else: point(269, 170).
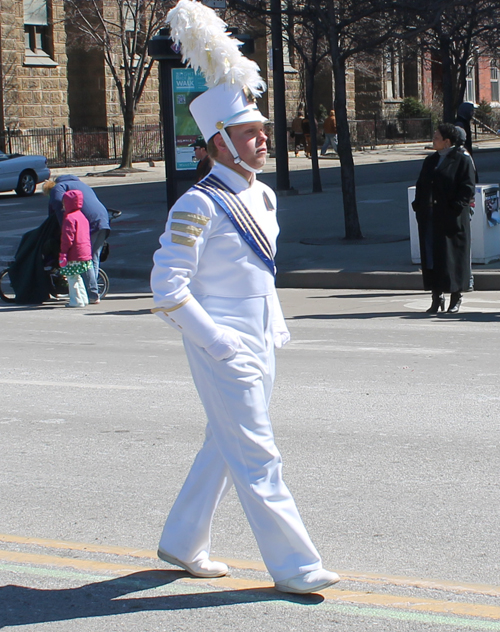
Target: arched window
point(494, 81)
point(393, 72)
point(470, 86)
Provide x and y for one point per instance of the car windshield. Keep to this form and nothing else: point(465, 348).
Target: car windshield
point(4, 156)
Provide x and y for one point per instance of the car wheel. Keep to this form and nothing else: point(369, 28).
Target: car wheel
point(27, 184)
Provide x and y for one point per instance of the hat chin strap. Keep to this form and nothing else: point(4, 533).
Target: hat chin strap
point(234, 153)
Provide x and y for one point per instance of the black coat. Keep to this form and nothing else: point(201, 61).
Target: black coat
point(29, 280)
point(442, 206)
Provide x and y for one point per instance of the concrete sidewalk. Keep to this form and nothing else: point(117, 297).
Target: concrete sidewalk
point(311, 250)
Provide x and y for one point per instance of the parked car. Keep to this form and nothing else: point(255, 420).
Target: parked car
point(22, 173)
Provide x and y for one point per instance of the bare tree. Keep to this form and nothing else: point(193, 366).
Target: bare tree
point(458, 34)
point(309, 44)
point(121, 29)
point(9, 63)
point(349, 28)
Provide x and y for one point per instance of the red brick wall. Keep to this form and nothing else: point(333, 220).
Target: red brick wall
point(484, 79)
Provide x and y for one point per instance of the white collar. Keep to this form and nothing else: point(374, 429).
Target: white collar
point(232, 178)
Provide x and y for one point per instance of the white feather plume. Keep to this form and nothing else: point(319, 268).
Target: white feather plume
point(207, 46)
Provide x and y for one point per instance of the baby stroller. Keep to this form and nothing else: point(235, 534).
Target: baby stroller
point(34, 275)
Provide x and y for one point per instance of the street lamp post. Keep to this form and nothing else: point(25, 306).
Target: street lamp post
point(280, 135)
point(161, 49)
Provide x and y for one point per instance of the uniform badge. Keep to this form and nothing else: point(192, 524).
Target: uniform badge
point(267, 202)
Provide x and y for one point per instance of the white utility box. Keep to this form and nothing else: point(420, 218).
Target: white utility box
point(485, 225)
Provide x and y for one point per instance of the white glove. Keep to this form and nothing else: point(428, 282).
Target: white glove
point(196, 324)
point(281, 338)
point(225, 347)
point(281, 335)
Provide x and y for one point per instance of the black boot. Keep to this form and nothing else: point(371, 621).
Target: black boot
point(455, 302)
point(437, 303)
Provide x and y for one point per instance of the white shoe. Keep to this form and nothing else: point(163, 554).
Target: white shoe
point(307, 582)
point(203, 568)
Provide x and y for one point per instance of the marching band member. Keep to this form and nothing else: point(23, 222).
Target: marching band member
point(213, 280)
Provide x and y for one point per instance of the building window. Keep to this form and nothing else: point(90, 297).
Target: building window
point(470, 86)
point(393, 73)
point(37, 40)
point(494, 79)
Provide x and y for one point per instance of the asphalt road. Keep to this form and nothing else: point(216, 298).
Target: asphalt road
point(382, 207)
point(387, 420)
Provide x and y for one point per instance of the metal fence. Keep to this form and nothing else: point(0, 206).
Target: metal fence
point(370, 133)
point(64, 147)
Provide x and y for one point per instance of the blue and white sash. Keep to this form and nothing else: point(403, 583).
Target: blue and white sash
point(240, 216)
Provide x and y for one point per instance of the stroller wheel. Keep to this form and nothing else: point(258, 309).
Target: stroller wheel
point(7, 294)
point(102, 283)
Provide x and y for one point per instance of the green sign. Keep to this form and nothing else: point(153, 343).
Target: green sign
point(187, 85)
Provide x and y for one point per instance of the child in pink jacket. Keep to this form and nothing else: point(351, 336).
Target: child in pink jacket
point(76, 251)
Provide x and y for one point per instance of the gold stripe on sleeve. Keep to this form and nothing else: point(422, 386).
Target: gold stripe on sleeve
point(183, 240)
point(167, 310)
point(186, 228)
point(191, 217)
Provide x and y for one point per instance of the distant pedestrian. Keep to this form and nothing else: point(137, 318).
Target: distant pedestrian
point(205, 162)
point(464, 116)
point(330, 131)
point(306, 127)
point(75, 256)
point(297, 132)
point(460, 146)
point(97, 215)
point(442, 206)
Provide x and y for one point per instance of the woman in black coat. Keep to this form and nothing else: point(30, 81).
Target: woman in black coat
point(444, 190)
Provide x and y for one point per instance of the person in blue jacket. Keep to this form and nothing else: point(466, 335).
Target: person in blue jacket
point(97, 215)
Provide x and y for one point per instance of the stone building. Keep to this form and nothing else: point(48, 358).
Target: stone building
point(34, 85)
point(51, 78)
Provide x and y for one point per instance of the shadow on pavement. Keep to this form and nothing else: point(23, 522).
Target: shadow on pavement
point(470, 317)
point(371, 295)
point(25, 605)
point(122, 312)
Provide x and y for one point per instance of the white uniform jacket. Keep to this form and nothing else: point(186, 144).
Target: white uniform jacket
point(202, 254)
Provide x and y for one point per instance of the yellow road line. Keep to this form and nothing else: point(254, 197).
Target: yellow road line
point(414, 604)
point(85, 565)
point(359, 598)
point(415, 582)
point(368, 578)
point(78, 546)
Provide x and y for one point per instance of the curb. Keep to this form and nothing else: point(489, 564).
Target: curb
point(373, 280)
point(345, 280)
point(484, 280)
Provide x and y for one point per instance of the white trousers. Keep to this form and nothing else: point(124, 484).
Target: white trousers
point(239, 449)
point(77, 292)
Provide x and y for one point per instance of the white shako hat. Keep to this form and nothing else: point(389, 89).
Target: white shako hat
point(233, 80)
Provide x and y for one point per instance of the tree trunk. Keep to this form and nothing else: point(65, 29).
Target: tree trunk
point(128, 140)
point(448, 100)
point(316, 178)
point(351, 219)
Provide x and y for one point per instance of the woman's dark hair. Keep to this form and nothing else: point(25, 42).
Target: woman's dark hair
point(448, 130)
